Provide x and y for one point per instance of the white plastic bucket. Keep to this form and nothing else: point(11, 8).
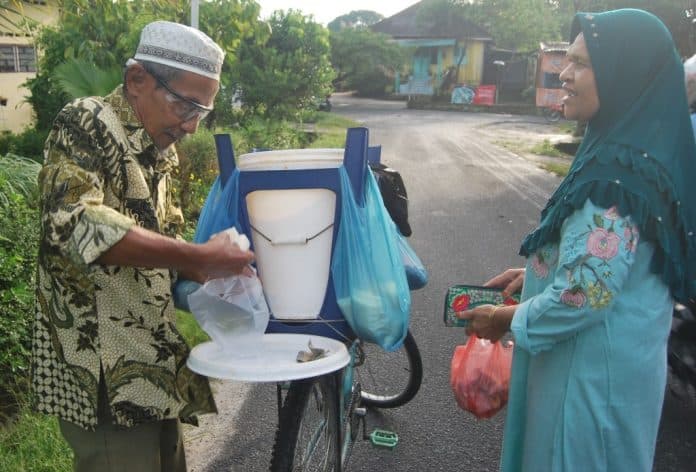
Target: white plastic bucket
point(291, 159)
point(292, 232)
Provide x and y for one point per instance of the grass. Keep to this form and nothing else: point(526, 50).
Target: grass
point(545, 148)
point(558, 168)
point(34, 443)
point(189, 328)
point(331, 130)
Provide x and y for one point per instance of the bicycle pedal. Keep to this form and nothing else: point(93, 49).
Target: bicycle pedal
point(383, 438)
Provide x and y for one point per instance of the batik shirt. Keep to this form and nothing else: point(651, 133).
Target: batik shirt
point(101, 176)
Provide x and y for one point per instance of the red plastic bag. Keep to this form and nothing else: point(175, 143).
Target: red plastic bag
point(480, 376)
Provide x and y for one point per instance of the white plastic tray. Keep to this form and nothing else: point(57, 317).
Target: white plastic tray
point(275, 362)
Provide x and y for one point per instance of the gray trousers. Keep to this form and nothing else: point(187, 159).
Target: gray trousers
point(148, 447)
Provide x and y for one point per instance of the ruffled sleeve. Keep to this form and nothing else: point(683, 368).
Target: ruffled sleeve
point(596, 252)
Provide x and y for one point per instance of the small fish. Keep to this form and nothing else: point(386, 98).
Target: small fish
point(312, 354)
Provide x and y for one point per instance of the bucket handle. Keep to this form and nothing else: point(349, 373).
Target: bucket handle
point(291, 240)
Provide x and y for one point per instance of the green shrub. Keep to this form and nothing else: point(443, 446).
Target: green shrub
point(18, 176)
point(263, 133)
point(29, 143)
point(18, 247)
point(196, 173)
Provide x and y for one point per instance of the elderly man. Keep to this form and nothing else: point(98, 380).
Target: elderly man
point(107, 358)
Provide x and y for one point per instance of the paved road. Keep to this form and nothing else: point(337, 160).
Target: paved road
point(471, 202)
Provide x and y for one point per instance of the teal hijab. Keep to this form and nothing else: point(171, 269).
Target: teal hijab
point(638, 152)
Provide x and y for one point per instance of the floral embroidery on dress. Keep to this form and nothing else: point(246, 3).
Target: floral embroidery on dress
point(587, 274)
point(543, 259)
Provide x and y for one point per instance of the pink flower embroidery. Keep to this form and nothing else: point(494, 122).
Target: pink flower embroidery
point(576, 299)
point(612, 214)
point(603, 244)
point(541, 270)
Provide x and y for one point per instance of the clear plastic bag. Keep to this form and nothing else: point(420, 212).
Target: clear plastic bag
point(232, 310)
point(480, 376)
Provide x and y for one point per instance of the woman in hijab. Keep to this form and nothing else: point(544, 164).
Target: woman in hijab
point(614, 248)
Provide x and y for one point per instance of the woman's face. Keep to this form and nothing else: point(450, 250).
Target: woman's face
point(582, 101)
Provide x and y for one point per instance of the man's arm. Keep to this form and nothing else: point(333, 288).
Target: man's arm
point(218, 257)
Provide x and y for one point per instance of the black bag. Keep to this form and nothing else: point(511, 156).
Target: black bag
point(393, 191)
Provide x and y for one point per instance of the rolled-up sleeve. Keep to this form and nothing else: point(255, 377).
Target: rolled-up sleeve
point(596, 252)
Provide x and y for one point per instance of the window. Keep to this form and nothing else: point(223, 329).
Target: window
point(14, 58)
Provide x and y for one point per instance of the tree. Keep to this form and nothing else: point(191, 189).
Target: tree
point(365, 61)
point(516, 24)
point(100, 32)
point(283, 75)
point(105, 33)
point(678, 15)
point(355, 19)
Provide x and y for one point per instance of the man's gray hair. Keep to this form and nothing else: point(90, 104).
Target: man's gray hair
point(690, 76)
point(163, 72)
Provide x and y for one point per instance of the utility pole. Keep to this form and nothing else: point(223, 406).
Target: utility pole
point(194, 13)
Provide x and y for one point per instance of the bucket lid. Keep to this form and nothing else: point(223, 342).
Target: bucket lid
point(290, 159)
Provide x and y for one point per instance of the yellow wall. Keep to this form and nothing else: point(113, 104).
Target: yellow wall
point(471, 69)
point(472, 72)
point(17, 115)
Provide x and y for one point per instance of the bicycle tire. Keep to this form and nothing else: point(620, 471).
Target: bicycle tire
point(307, 415)
point(390, 379)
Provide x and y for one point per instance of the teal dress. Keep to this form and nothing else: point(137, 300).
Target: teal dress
point(616, 243)
point(590, 361)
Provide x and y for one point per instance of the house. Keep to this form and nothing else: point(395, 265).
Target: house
point(18, 60)
point(443, 54)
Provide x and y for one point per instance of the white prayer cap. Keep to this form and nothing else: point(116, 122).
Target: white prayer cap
point(181, 47)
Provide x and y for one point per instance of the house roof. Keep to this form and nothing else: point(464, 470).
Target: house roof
point(405, 25)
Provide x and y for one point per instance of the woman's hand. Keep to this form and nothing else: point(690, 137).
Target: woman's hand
point(510, 281)
point(488, 321)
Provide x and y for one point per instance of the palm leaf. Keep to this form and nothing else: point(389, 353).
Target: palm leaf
point(9, 11)
point(80, 78)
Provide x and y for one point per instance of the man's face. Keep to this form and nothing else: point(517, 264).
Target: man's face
point(169, 111)
point(582, 101)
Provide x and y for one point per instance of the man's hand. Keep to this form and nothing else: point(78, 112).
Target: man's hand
point(219, 258)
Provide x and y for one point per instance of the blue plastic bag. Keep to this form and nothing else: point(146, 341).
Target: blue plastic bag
point(368, 272)
point(416, 274)
point(218, 214)
point(220, 208)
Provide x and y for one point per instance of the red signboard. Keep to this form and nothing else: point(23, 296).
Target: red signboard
point(485, 95)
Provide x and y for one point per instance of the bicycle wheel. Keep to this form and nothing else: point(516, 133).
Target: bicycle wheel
point(389, 379)
point(307, 428)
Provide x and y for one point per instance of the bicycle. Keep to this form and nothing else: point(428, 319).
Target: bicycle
point(307, 427)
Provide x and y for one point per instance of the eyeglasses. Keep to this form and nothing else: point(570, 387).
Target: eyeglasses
point(184, 108)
